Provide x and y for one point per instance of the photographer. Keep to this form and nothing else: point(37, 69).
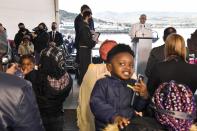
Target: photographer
point(41, 39)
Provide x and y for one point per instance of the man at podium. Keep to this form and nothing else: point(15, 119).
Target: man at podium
point(141, 29)
point(142, 39)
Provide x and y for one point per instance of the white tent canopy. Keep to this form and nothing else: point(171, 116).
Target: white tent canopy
point(29, 12)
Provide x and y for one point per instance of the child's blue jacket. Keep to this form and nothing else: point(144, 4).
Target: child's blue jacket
point(111, 97)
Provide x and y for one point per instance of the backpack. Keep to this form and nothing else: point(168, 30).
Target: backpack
point(174, 105)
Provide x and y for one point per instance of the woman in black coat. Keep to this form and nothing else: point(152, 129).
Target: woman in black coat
point(175, 67)
point(86, 43)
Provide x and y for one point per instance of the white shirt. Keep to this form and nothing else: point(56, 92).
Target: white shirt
point(140, 30)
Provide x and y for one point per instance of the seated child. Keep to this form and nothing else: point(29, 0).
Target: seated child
point(110, 101)
point(27, 63)
point(85, 118)
point(25, 66)
point(26, 46)
point(52, 84)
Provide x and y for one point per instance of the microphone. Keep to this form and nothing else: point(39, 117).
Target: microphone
point(152, 31)
point(155, 32)
point(148, 29)
point(138, 30)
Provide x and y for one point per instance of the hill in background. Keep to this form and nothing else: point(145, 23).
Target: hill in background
point(157, 19)
point(70, 17)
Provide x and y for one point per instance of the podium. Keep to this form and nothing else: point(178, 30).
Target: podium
point(142, 47)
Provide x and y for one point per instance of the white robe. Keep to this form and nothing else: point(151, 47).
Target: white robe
point(140, 30)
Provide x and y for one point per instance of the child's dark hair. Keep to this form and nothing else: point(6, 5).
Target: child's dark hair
point(120, 48)
point(30, 57)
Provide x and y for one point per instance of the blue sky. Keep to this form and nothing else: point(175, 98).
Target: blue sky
point(130, 5)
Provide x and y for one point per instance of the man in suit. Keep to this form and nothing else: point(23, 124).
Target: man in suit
point(18, 110)
point(157, 53)
point(55, 36)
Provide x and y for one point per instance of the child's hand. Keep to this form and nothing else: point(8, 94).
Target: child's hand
point(121, 121)
point(141, 88)
point(26, 70)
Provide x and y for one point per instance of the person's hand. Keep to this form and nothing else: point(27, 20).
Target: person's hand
point(34, 35)
point(141, 88)
point(139, 113)
point(26, 71)
point(12, 69)
point(121, 121)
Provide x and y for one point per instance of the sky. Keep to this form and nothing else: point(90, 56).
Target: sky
point(130, 5)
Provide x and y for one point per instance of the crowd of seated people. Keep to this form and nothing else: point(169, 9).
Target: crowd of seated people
point(109, 93)
point(174, 66)
point(35, 87)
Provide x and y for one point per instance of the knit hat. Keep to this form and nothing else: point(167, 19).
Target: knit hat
point(175, 106)
point(106, 46)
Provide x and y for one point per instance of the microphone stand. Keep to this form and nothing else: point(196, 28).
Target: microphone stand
point(153, 31)
point(139, 30)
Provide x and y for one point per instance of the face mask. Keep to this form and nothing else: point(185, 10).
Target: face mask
point(22, 29)
point(40, 27)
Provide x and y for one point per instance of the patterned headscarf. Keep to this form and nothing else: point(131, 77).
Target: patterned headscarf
point(173, 102)
point(52, 61)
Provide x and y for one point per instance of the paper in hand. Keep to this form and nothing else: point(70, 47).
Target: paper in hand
point(95, 36)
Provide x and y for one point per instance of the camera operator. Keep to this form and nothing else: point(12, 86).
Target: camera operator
point(40, 40)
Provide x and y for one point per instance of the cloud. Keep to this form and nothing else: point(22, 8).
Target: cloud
point(130, 5)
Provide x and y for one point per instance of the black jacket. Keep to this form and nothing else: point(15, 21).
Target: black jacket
point(77, 23)
point(156, 56)
point(85, 36)
point(50, 101)
point(18, 107)
point(41, 41)
point(111, 97)
point(175, 69)
point(58, 38)
point(19, 36)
